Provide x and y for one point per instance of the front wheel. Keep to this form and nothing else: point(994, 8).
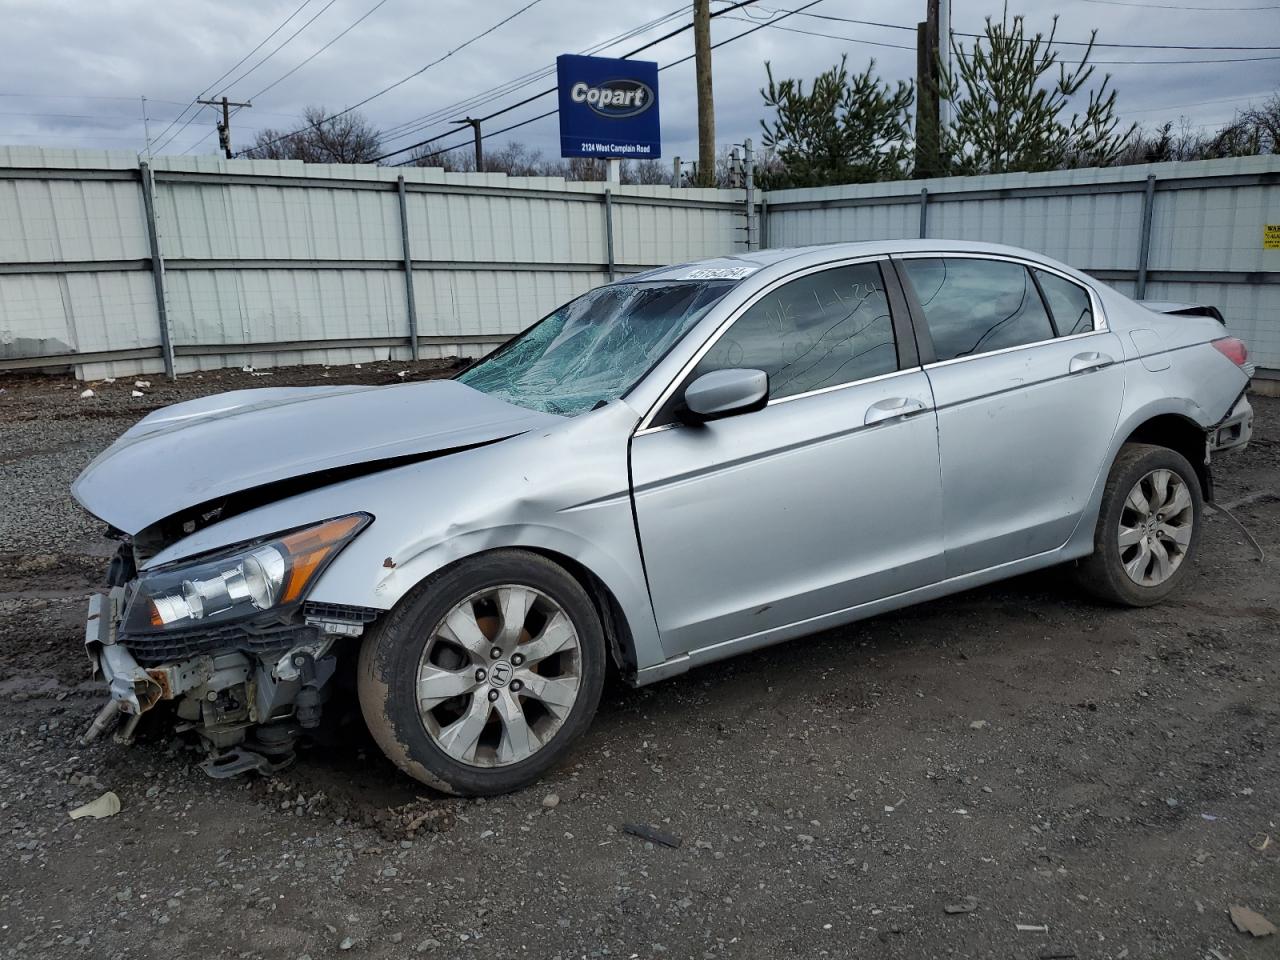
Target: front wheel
point(480, 680)
point(1148, 528)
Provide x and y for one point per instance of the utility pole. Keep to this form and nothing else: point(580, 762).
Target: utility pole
point(224, 128)
point(475, 127)
point(944, 42)
point(146, 127)
point(706, 103)
point(928, 140)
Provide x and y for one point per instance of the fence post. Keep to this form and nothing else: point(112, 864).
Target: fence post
point(608, 229)
point(410, 303)
point(1144, 241)
point(157, 267)
point(764, 222)
point(749, 182)
point(924, 212)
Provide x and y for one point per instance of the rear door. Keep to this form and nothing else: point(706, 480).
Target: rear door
point(825, 499)
point(1028, 390)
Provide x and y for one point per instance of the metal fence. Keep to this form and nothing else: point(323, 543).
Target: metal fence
point(115, 267)
point(1189, 232)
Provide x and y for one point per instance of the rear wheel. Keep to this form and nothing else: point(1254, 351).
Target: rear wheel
point(1148, 529)
point(481, 680)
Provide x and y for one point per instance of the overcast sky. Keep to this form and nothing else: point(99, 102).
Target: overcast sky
point(72, 71)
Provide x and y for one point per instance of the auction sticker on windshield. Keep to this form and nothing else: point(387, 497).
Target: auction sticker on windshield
point(719, 273)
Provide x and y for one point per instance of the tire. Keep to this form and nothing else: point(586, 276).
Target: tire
point(1148, 529)
point(480, 680)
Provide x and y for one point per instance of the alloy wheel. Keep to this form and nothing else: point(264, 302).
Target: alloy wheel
point(499, 675)
point(1155, 528)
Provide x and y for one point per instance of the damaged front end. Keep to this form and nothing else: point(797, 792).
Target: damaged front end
point(230, 640)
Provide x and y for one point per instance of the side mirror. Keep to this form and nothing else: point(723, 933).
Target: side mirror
point(723, 393)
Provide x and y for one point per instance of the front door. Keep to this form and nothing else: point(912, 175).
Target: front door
point(1028, 392)
point(827, 498)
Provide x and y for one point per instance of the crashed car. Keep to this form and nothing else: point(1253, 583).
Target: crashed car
point(669, 470)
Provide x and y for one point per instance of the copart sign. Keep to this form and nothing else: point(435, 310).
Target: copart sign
point(608, 108)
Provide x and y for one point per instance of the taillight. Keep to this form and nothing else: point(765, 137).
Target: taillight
point(1233, 349)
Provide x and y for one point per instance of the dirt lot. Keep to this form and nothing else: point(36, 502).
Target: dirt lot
point(1112, 775)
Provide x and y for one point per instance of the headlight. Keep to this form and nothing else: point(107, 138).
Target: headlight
point(238, 583)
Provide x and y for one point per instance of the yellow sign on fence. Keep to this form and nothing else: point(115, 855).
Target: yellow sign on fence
point(1271, 236)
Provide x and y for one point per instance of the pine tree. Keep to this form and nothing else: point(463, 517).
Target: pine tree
point(845, 130)
point(1009, 111)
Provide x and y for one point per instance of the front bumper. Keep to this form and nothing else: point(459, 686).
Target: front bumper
point(132, 687)
point(1234, 431)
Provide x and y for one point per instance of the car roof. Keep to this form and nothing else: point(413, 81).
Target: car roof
point(740, 265)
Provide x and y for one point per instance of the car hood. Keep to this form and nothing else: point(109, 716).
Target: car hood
point(202, 450)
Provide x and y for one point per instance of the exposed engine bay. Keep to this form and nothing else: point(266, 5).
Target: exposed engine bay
point(246, 690)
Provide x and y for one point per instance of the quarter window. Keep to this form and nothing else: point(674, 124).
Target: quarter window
point(1068, 302)
point(975, 306)
point(822, 330)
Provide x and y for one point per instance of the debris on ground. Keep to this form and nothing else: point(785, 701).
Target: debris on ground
point(1032, 927)
point(967, 905)
point(645, 832)
point(107, 805)
point(86, 394)
point(1251, 922)
point(551, 801)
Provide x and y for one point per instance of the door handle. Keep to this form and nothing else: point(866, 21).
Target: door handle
point(893, 408)
point(1084, 362)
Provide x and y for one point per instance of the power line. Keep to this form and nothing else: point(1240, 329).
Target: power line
point(284, 43)
point(408, 127)
point(286, 75)
point(235, 66)
point(1198, 103)
point(85, 96)
point(261, 44)
point(1118, 63)
point(1066, 43)
point(829, 36)
point(549, 113)
point(416, 73)
point(1109, 63)
point(551, 90)
point(1173, 6)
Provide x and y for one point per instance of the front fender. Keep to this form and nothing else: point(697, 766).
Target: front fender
point(565, 490)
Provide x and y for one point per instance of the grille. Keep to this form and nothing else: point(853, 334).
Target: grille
point(158, 649)
point(341, 611)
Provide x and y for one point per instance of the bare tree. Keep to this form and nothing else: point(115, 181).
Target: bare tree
point(647, 172)
point(322, 138)
point(517, 159)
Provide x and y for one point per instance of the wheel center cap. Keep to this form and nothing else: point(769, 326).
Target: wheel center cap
point(500, 673)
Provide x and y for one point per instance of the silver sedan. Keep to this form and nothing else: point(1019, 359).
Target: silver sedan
point(669, 470)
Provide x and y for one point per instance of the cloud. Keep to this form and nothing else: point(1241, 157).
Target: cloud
point(71, 72)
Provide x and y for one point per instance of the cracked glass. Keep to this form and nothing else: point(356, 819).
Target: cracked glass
point(596, 348)
point(975, 306)
point(821, 330)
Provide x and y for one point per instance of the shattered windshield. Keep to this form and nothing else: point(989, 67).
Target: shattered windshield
point(596, 348)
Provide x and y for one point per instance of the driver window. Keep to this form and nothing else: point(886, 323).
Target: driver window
point(821, 330)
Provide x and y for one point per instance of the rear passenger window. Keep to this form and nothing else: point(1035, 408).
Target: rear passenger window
point(819, 331)
point(1068, 302)
point(975, 306)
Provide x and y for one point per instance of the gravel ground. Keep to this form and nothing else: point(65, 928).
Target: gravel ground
point(914, 786)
